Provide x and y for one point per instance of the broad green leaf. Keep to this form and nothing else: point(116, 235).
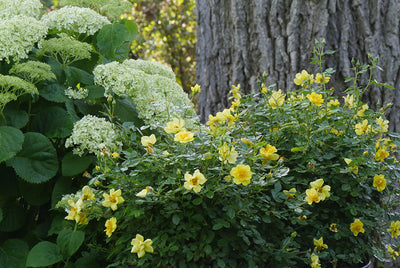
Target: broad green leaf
point(53, 122)
point(73, 164)
point(35, 194)
point(16, 251)
point(16, 117)
point(13, 218)
point(69, 241)
point(54, 93)
point(176, 219)
point(11, 140)
point(62, 186)
point(1, 214)
point(37, 161)
point(75, 75)
point(125, 110)
point(95, 92)
point(44, 254)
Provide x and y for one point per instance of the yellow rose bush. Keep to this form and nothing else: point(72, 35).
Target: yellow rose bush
point(282, 178)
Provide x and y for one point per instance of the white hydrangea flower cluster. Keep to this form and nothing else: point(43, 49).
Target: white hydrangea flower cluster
point(94, 135)
point(77, 94)
point(18, 36)
point(11, 8)
point(152, 86)
point(75, 20)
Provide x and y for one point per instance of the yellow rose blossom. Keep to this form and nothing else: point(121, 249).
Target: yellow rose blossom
point(381, 154)
point(321, 78)
point(394, 229)
point(334, 103)
point(87, 193)
point(319, 244)
point(349, 101)
point(235, 92)
point(194, 182)
point(247, 142)
point(363, 128)
point(291, 193)
point(141, 246)
point(379, 182)
point(276, 99)
point(312, 196)
point(196, 89)
point(315, 261)
point(175, 126)
point(74, 212)
point(333, 227)
point(111, 225)
point(303, 78)
point(362, 109)
point(323, 191)
point(394, 254)
point(336, 132)
point(269, 153)
point(241, 174)
point(357, 227)
point(184, 136)
point(148, 141)
point(113, 199)
point(383, 124)
point(227, 155)
point(354, 168)
point(315, 98)
point(115, 155)
point(143, 192)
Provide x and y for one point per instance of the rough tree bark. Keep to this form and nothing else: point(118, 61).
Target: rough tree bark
point(238, 40)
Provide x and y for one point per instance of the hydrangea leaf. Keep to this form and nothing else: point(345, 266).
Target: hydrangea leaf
point(73, 164)
point(16, 251)
point(37, 161)
point(53, 93)
point(35, 194)
point(53, 122)
point(15, 117)
point(13, 218)
point(44, 254)
point(70, 241)
point(125, 110)
point(11, 140)
point(62, 186)
point(75, 75)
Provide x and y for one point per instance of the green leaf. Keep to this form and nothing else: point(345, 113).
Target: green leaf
point(16, 117)
point(44, 254)
point(16, 251)
point(346, 187)
point(11, 140)
point(197, 201)
point(69, 241)
point(298, 149)
point(114, 36)
point(37, 161)
point(35, 194)
point(54, 122)
point(75, 75)
point(13, 218)
point(73, 164)
point(176, 219)
point(125, 110)
point(1, 214)
point(53, 93)
point(95, 92)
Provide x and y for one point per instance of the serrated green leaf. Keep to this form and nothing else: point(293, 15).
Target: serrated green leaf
point(44, 254)
point(73, 164)
point(13, 218)
point(75, 75)
point(37, 161)
point(11, 140)
point(15, 117)
point(54, 93)
point(69, 241)
point(35, 194)
point(95, 92)
point(53, 122)
point(16, 251)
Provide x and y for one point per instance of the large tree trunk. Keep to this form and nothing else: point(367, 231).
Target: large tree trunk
point(238, 40)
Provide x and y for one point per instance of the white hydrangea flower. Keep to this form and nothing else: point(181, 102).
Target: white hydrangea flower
point(18, 36)
point(75, 20)
point(77, 94)
point(158, 97)
point(11, 8)
point(94, 135)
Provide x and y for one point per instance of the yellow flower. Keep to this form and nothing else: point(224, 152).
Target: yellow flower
point(363, 127)
point(303, 78)
point(87, 193)
point(115, 155)
point(381, 154)
point(74, 212)
point(319, 244)
point(141, 247)
point(227, 155)
point(323, 192)
point(276, 99)
point(246, 141)
point(379, 182)
point(357, 227)
point(241, 174)
point(235, 92)
point(312, 196)
point(383, 124)
point(321, 78)
point(196, 89)
point(352, 167)
point(315, 261)
point(362, 109)
point(394, 254)
point(394, 229)
point(291, 193)
point(315, 98)
point(184, 136)
point(269, 153)
point(336, 132)
point(143, 192)
point(349, 101)
point(175, 126)
point(193, 182)
point(334, 102)
point(111, 225)
point(333, 227)
point(113, 199)
point(148, 141)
